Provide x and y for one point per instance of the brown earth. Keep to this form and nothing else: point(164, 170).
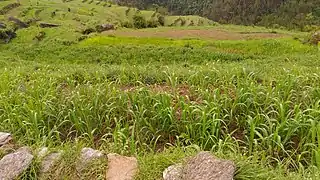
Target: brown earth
point(200, 33)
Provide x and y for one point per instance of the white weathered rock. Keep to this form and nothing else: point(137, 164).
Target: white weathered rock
point(203, 166)
point(43, 152)
point(121, 167)
point(173, 172)
point(12, 165)
point(88, 155)
point(49, 161)
point(5, 138)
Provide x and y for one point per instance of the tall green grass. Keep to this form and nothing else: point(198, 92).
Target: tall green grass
point(257, 98)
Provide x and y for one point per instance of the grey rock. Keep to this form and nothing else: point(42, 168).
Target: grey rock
point(43, 152)
point(49, 161)
point(88, 155)
point(104, 27)
point(5, 138)
point(12, 165)
point(203, 166)
point(121, 167)
point(173, 172)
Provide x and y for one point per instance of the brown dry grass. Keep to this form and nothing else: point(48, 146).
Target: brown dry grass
point(198, 33)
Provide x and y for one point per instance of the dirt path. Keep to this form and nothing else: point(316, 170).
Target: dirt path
point(201, 34)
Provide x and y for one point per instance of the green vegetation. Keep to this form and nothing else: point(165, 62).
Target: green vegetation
point(252, 100)
point(258, 98)
point(76, 14)
point(304, 15)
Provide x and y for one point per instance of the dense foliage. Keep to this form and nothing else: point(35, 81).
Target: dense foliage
point(300, 14)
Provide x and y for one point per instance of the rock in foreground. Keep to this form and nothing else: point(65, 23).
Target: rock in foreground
point(121, 167)
point(5, 138)
point(173, 172)
point(12, 165)
point(87, 156)
point(203, 166)
point(50, 161)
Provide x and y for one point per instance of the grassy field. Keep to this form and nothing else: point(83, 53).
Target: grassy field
point(252, 99)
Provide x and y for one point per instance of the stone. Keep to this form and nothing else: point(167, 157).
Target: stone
point(173, 172)
point(43, 152)
point(12, 165)
point(5, 138)
point(205, 166)
point(104, 27)
point(88, 155)
point(49, 161)
point(121, 167)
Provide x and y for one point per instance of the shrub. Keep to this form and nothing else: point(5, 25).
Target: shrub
point(191, 23)
point(152, 23)
point(40, 36)
point(127, 24)
point(139, 21)
point(161, 19)
point(127, 11)
point(315, 38)
point(6, 35)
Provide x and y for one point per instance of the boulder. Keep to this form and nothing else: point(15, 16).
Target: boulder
point(104, 27)
point(12, 165)
point(43, 152)
point(203, 166)
point(121, 167)
point(87, 156)
point(5, 138)
point(49, 161)
point(173, 172)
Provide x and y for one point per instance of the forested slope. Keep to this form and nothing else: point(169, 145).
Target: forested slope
point(288, 13)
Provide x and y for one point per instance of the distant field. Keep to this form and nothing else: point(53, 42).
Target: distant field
point(248, 94)
point(198, 33)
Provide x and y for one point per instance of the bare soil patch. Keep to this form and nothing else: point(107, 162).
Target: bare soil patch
point(198, 33)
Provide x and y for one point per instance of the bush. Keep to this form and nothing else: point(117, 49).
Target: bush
point(152, 23)
point(315, 38)
point(139, 21)
point(40, 36)
point(161, 19)
point(6, 35)
point(127, 24)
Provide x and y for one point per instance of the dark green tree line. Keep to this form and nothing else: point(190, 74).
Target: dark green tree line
point(302, 14)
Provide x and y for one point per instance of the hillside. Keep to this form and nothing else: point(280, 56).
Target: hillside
point(303, 15)
point(77, 18)
point(247, 94)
